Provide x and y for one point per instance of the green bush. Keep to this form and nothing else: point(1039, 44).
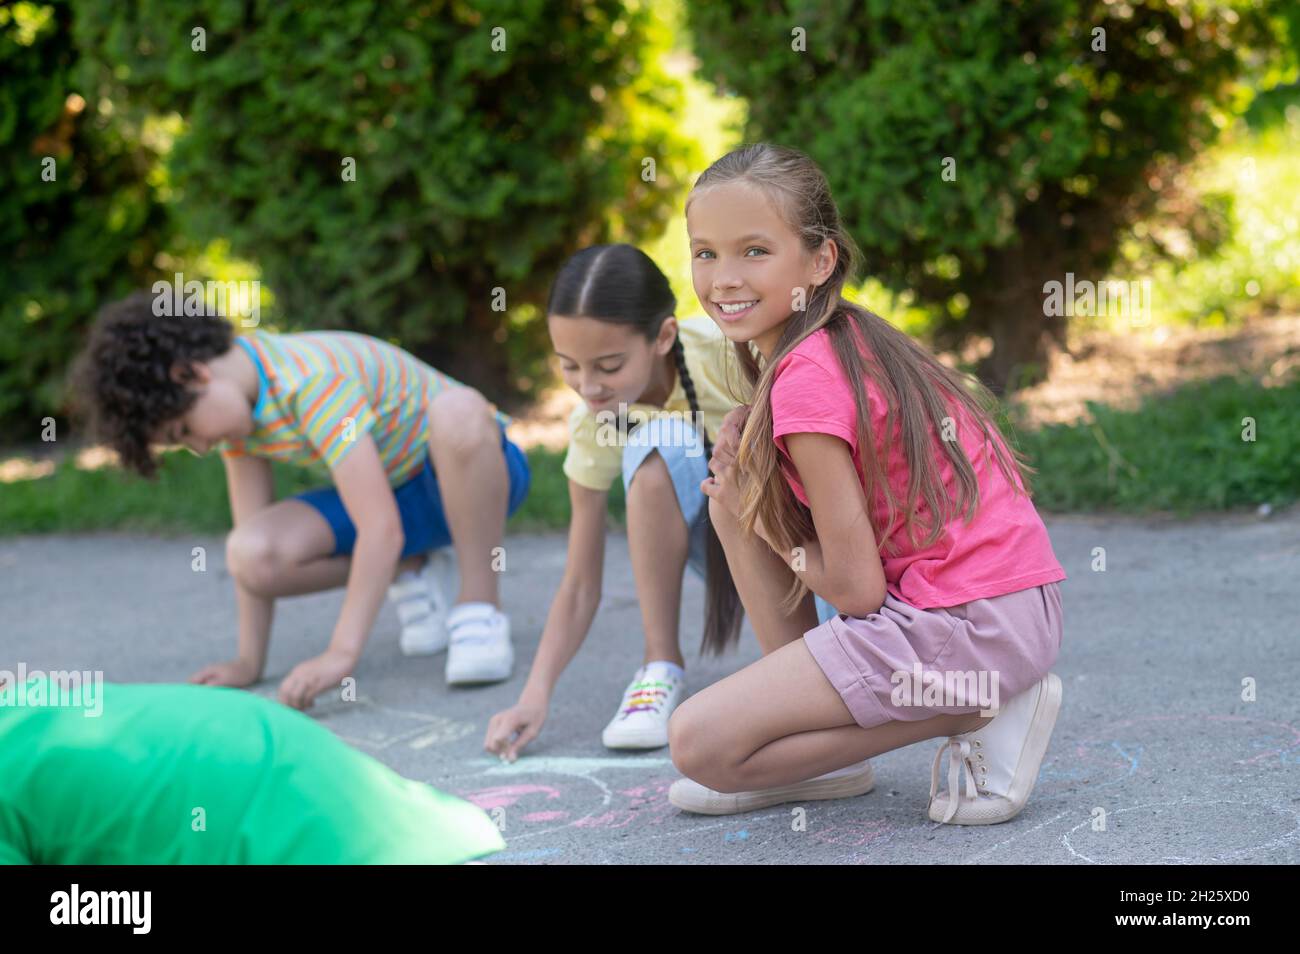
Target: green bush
point(1056, 144)
point(72, 242)
point(476, 168)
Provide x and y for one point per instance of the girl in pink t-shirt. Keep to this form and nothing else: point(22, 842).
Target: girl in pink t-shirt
point(870, 474)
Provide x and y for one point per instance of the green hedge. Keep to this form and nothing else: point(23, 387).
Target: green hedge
point(73, 242)
point(1057, 143)
point(475, 168)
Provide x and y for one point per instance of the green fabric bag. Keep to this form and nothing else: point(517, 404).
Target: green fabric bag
point(183, 774)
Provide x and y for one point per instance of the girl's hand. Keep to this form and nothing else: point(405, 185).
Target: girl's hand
point(309, 679)
point(722, 488)
point(728, 441)
point(510, 730)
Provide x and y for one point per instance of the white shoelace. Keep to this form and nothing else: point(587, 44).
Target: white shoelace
point(959, 752)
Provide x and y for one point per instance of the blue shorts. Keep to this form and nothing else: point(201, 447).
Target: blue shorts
point(682, 449)
point(419, 503)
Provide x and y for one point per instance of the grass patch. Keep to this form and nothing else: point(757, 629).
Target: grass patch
point(189, 496)
point(1183, 452)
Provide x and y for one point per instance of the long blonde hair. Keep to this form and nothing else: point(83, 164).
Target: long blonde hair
point(915, 384)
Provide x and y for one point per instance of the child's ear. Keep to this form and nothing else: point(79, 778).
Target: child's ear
point(667, 336)
point(824, 263)
point(199, 370)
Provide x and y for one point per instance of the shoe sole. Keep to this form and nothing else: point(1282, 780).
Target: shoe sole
point(422, 647)
point(634, 740)
point(471, 676)
point(423, 651)
point(1023, 781)
point(480, 678)
point(721, 803)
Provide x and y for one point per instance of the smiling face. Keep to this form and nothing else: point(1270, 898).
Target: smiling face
point(221, 412)
point(609, 363)
point(746, 262)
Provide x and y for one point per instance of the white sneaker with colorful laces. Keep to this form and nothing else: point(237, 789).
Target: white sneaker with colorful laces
point(649, 699)
point(999, 761)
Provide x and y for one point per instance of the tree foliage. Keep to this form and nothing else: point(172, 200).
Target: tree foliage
point(1054, 119)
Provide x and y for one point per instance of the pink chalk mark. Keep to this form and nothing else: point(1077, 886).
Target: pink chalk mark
point(503, 796)
point(545, 816)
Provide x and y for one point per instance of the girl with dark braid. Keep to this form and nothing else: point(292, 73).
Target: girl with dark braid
point(654, 392)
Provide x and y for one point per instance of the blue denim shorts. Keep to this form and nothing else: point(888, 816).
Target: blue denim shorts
point(419, 503)
point(682, 449)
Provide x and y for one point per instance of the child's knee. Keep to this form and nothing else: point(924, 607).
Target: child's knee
point(651, 478)
point(689, 745)
point(461, 421)
point(251, 557)
point(681, 740)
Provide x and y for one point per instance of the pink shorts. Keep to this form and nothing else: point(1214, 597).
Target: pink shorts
point(906, 664)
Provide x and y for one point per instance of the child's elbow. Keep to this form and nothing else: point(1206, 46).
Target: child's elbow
point(856, 606)
point(854, 599)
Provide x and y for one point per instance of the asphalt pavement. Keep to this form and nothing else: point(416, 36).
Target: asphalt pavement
point(1159, 756)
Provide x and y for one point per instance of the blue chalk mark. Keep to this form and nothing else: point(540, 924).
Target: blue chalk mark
point(1133, 760)
point(742, 835)
point(1286, 754)
point(1071, 773)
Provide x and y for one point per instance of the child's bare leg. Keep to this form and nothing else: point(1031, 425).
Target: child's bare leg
point(780, 721)
point(465, 445)
point(659, 542)
point(280, 551)
point(285, 550)
point(762, 580)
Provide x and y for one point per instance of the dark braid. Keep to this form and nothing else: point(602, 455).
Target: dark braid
point(679, 358)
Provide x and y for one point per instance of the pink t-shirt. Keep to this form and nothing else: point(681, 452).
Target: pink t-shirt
point(1005, 547)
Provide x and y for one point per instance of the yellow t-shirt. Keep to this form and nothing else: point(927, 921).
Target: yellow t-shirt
point(714, 369)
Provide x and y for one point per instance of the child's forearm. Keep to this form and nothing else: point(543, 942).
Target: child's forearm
point(374, 560)
point(806, 562)
point(567, 625)
point(255, 615)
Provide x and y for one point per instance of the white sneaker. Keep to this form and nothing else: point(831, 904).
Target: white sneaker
point(479, 648)
point(1000, 760)
point(642, 718)
point(691, 796)
point(421, 606)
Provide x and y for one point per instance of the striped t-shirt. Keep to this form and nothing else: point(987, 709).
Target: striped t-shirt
point(321, 391)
